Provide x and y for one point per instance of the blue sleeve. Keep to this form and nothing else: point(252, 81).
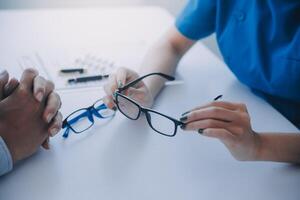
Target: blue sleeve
point(197, 20)
point(6, 163)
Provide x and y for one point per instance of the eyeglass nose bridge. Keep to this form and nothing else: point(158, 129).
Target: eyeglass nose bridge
point(66, 133)
point(64, 124)
point(90, 114)
point(148, 117)
point(94, 111)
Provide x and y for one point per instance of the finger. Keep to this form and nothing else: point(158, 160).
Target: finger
point(224, 135)
point(111, 86)
point(10, 87)
point(204, 124)
point(136, 94)
point(109, 89)
point(56, 124)
point(121, 77)
point(39, 87)
point(109, 102)
point(3, 81)
point(46, 144)
point(27, 78)
point(218, 113)
point(133, 92)
point(52, 106)
point(243, 107)
point(223, 104)
point(48, 88)
point(125, 76)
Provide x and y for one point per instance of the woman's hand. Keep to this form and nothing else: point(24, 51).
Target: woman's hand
point(138, 92)
point(229, 122)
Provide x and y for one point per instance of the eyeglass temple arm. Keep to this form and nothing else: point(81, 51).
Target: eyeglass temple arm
point(64, 124)
point(170, 78)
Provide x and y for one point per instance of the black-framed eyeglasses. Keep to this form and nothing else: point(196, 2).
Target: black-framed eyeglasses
point(83, 119)
point(159, 122)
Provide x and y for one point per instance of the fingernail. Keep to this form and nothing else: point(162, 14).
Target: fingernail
point(39, 96)
point(183, 119)
point(47, 144)
point(49, 118)
point(185, 113)
point(183, 126)
point(54, 131)
point(120, 84)
point(200, 131)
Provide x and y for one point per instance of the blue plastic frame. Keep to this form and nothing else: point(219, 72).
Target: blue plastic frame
point(89, 113)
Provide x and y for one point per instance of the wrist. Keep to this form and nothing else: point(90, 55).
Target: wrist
point(258, 146)
point(5, 137)
point(10, 148)
point(263, 149)
point(6, 161)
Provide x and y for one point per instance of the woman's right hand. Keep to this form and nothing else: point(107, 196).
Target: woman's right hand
point(138, 92)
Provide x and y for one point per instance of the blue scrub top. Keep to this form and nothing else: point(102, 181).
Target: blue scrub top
point(259, 41)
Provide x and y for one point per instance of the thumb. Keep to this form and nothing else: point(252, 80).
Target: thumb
point(222, 134)
point(135, 93)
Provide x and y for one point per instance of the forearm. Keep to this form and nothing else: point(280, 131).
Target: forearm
point(164, 57)
point(282, 147)
point(160, 58)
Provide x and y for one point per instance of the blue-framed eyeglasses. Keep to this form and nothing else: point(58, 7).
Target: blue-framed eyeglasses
point(83, 119)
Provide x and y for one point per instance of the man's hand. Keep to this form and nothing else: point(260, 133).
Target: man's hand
point(51, 115)
point(26, 119)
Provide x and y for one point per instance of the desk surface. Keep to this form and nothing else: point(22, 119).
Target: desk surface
point(125, 159)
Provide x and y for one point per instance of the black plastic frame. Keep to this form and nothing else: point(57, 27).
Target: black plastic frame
point(144, 109)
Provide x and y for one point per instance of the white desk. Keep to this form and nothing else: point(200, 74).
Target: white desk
point(126, 159)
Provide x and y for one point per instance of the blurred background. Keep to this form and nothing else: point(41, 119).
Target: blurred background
point(173, 6)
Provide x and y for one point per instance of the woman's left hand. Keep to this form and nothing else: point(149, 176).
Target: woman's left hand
point(229, 122)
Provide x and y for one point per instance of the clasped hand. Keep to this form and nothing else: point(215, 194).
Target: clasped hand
point(28, 113)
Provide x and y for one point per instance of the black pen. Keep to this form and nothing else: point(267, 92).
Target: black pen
point(218, 97)
point(72, 70)
point(87, 79)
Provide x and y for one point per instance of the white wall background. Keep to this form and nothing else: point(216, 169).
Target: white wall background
point(174, 6)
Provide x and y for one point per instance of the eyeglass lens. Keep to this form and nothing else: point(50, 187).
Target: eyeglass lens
point(128, 108)
point(158, 122)
point(161, 123)
point(80, 120)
